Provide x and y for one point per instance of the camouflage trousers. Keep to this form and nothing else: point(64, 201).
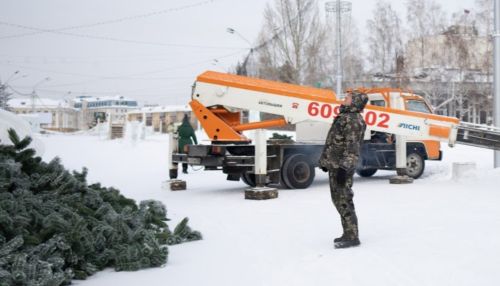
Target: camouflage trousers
point(342, 199)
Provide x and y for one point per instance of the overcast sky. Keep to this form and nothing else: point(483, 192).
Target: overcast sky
point(153, 58)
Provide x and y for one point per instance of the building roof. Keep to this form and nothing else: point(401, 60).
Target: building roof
point(39, 103)
point(101, 98)
point(165, 108)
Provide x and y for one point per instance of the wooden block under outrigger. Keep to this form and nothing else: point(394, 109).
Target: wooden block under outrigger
point(177, 185)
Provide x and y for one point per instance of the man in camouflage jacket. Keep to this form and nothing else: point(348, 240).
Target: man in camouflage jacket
point(339, 159)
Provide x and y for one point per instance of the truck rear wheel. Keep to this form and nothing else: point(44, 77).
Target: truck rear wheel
point(415, 165)
point(366, 172)
point(248, 179)
point(297, 172)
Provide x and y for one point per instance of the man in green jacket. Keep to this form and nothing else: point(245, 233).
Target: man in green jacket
point(186, 137)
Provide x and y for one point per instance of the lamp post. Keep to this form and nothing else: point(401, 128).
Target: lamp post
point(33, 93)
point(496, 75)
point(242, 69)
point(233, 31)
point(4, 95)
point(338, 7)
point(10, 77)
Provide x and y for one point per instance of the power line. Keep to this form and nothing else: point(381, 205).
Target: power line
point(18, 92)
point(96, 80)
point(122, 77)
point(101, 58)
point(54, 60)
point(128, 41)
point(113, 21)
point(107, 92)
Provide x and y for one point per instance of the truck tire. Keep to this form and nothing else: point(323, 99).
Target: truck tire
point(366, 172)
point(297, 172)
point(415, 165)
point(248, 179)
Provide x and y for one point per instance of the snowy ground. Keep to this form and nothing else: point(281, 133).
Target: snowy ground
point(433, 232)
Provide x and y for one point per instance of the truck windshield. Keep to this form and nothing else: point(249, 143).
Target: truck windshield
point(417, 105)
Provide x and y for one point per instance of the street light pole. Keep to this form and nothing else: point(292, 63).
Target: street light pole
point(34, 95)
point(496, 75)
point(11, 76)
point(233, 31)
point(338, 7)
point(339, 50)
point(242, 70)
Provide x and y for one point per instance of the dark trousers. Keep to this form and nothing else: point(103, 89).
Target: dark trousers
point(184, 167)
point(342, 199)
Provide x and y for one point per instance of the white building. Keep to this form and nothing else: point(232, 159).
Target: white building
point(94, 109)
point(51, 114)
point(458, 50)
point(159, 117)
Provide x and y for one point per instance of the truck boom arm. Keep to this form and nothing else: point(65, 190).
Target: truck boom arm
point(215, 94)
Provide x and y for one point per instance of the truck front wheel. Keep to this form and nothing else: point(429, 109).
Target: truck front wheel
point(415, 165)
point(297, 172)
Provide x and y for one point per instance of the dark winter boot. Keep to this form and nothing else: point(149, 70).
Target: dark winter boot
point(339, 238)
point(345, 243)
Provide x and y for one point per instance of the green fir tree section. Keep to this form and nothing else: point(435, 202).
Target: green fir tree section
point(54, 227)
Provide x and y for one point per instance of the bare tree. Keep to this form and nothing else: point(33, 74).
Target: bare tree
point(484, 16)
point(385, 39)
point(4, 96)
point(425, 18)
point(352, 56)
point(484, 22)
point(299, 37)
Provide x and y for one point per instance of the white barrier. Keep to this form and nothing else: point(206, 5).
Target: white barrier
point(463, 170)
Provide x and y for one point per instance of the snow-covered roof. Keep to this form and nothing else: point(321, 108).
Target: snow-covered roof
point(39, 103)
point(101, 98)
point(164, 108)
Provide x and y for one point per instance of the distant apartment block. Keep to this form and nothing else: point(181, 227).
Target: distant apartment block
point(99, 109)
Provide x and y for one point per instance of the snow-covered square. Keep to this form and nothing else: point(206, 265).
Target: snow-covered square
point(436, 231)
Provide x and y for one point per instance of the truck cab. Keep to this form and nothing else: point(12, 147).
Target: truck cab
point(378, 150)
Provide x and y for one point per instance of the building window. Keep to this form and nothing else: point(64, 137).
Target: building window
point(149, 119)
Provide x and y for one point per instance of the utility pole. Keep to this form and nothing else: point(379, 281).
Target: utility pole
point(34, 95)
point(242, 69)
point(33, 98)
point(338, 7)
point(496, 75)
point(339, 49)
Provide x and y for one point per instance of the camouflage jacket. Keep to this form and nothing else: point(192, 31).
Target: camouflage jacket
point(343, 142)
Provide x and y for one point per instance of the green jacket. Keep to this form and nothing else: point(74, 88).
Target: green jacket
point(186, 132)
